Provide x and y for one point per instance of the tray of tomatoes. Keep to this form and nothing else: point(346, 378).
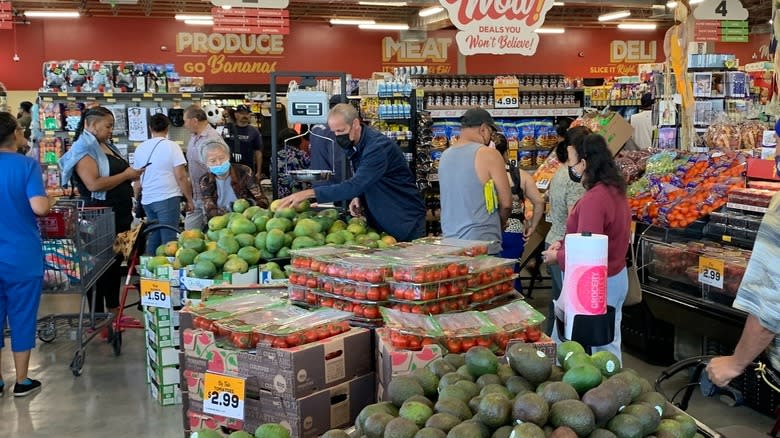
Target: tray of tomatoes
point(401, 290)
point(430, 269)
point(308, 258)
point(364, 311)
point(410, 331)
point(516, 320)
point(487, 270)
point(239, 331)
point(497, 301)
point(464, 330)
point(302, 295)
point(358, 290)
point(470, 248)
point(358, 268)
point(303, 329)
point(489, 291)
point(207, 312)
point(407, 250)
point(433, 307)
point(302, 277)
point(411, 342)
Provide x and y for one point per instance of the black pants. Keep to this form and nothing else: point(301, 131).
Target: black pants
point(107, 287)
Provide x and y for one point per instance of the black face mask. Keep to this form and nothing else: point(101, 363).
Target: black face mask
point(574, 176)
point(344, 142)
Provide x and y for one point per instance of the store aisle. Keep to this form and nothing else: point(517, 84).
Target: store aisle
point(111, 397)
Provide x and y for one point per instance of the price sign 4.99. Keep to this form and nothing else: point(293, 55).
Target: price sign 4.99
point(156, 293)
point(223, 395)
point(506, 97)
point(711, 272)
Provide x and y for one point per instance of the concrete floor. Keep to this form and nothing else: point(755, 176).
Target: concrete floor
point(111, 397)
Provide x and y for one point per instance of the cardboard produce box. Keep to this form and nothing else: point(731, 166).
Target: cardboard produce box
point(165, 395)
point(162, 317)
point(393, 362)
point(614, 128)
point(292, 373)
point(198, 284)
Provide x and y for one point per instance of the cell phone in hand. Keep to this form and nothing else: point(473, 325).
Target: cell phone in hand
point(146, 165)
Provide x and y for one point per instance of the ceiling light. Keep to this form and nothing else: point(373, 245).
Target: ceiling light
point(550, 30)
point(51, 14)
point(427, 12)
point(182, 17)
point(637, 26)
point(384, 26)
point(614, 15)
point(659, 7)
point(199, 22)
point(558, 3)
point(351, 21)
point(673, 4)
point(227, 7)
point(771, 21)
point(395, 4)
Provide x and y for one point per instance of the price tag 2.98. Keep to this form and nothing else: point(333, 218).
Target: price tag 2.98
point(711, 272)
point(223, 395)
point(156, 293)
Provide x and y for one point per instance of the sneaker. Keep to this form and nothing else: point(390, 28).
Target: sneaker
point(2, 389)
point(27, 387)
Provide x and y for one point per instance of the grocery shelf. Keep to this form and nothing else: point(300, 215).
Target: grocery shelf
point(745, 207)
point(93, 96)
point(513, 112)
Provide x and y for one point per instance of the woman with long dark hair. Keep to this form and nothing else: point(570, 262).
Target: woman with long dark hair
point(21, 256)
point(103, 178)
point(603, 209)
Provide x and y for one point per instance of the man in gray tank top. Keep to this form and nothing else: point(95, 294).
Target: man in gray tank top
point(464, 170)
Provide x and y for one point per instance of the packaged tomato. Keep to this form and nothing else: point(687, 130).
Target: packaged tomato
point(406, 291)
point(304, 329)
point(486, 270)
point(465, 330)
point(206, 312)
point(470, 248)
point(410, 331)
point(355, 289)
point(407, 250)
point(430, 269)
point(303, 295)
point(487, 292)
point(370, 269)
point(433, 307)
point(239, 330)
point(302, 277)
point(304, 258)
point(516, 320)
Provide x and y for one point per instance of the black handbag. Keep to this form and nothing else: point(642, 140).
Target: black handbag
point(139, 212)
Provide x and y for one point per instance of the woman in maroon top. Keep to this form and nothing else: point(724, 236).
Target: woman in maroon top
point(602, 210)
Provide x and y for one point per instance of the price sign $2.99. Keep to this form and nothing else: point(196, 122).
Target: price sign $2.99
point(224, 395)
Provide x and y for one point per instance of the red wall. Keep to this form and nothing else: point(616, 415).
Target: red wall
point(308, 47)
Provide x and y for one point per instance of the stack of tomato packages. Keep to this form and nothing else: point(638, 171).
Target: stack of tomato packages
point(240, 330)
point(461, 331)
point(306, 265)
point(430, 285)
point(207, 312)
point(303, 329)
point(410, 331)
point(517, 320)
point(470, 248)
point(491, 281)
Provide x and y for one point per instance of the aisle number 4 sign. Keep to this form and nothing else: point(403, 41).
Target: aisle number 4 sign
point(224, 396)
point(711, 272)
point(721, 10)
point(156, 293)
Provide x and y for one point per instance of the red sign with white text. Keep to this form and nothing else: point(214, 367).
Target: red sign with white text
point(6, 16)
point(497, 27)
point(251, 21)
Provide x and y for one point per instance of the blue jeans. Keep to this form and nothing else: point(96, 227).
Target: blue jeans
point(513, 245)
point(165, 212)
point(617, 289)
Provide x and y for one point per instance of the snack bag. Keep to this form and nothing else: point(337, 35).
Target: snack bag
point(526, 132)
point(440, 135)
point(454, 132)
point(123, 76)
point(71, 115)
point(55, 76)
point(77, 76)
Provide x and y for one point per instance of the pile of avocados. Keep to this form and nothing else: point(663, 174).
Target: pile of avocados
point(474, 395)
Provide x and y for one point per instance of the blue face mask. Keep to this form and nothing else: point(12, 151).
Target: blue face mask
point(221, 169)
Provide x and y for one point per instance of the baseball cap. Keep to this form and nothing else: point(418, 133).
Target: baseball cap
point(477, 117)
point(647, 100)
point(243, 109)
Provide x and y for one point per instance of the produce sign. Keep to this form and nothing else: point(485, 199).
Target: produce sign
point(711, 272)
point(676, 190)
point(497, 27)
point(156, 293)
point(224, 396)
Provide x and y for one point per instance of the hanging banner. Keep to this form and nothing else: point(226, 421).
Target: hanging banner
point(6, 16)
point(251, 21)
point(497, 27)
point(433, 53)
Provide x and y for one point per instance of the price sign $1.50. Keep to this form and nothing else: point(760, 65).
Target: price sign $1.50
point(711, 272)
point(156, 293)
point(224, 395)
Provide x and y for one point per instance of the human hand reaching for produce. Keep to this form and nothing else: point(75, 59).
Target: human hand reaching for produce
point(296, 198)
point(354, 208)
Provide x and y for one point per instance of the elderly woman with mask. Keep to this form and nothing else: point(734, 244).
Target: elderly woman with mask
point(226, 182)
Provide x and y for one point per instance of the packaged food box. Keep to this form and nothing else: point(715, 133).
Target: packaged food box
point(359, 290)
point(751, 197)
point(490, 291)
point(487, 270)
point(516, 320)
point(302, 277)
point(433, 307)
point(430, 269)
point(359, 308)
point(240, 330)
point(461, 331)
point(765, 185)
point(311, 327)
point(302, 294)
point(427, 291)
point(471, 248)
point(410, 331)
point(303, 258)
point(366, 268)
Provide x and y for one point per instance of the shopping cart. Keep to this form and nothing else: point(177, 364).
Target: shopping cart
point(77, 246)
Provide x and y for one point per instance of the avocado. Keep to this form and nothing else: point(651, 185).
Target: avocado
point(529, 362)
point(474, 404)
point(495, 388)
point(272, 430)
point(430, 432)
point(527, 430)
point(335, 433)
point(481, 361)
point(530, 408)
point(687, 424)
point(577, 360)
point(646, 415)
point(453, 406)
point(401, 428)
point(488, 379)
point(669, 428)
point(415, 411)
point(441, 367)
point(574, 414)
point(602, 433)
point(563, 432)
point(494, 410)
point(603, 403)
point(583, 378)
point(632, 380)
point(505, 371)
point(466, 430)
point(442, 421)
point(402, 388)
point(455, 359)
point(470, 388)
point(620, 390)
point(481, 430)
point(655, 400)
point(384, 407)
point(606, 362)
point(449, 379)
point(566, 349)
point(374, 425)
point(646, 385)
point(557, 391)
point(453, 391)
point(428, 380)
point(502, 432)
point(518, 385)
point(556, 374)
point(626, 426)
point(420, 399)
point(464, 371)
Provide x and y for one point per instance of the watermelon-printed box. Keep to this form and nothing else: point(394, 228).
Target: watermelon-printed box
point(393, 362)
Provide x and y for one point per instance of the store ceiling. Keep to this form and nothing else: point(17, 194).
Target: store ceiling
point(579, 13)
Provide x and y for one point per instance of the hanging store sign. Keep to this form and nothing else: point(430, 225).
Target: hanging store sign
point(251, 21)
point(721, 10)
point(625, 57)
point(497, 27)
point(432, 53)
point(219, 53)
point(725, 31)
point(6, 16)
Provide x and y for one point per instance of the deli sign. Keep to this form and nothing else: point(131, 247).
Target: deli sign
point(497, 27)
